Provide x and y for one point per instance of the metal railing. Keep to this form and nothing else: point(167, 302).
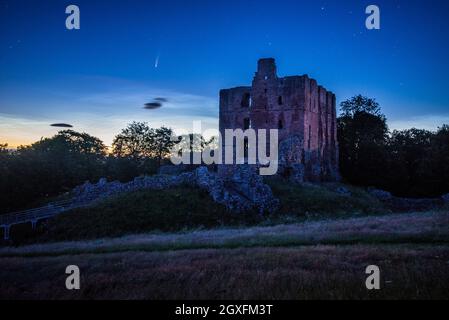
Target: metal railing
point(34, 215)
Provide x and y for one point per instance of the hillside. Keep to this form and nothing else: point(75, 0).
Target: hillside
point(187, 208)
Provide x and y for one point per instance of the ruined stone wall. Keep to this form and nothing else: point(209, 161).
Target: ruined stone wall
point(299, 108)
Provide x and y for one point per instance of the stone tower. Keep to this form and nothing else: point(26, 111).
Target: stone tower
point(303, 111)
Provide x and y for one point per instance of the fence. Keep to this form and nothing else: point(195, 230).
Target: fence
point(34, 215)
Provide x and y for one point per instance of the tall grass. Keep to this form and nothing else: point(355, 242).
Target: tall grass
point(418, 228)
point(315, 272)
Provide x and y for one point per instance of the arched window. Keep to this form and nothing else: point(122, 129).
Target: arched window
point(280, 125)
point(280, 102)
point(245, 100)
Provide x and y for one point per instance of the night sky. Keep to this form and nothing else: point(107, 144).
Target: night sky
point(129, 52)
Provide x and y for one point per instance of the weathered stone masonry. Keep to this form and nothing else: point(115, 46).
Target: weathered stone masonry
point(303, 111)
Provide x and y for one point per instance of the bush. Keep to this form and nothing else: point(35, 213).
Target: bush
point(306, 199)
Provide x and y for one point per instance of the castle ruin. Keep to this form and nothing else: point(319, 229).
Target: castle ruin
point(303, 111)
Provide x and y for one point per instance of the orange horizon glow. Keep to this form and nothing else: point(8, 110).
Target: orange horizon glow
point(15, 143)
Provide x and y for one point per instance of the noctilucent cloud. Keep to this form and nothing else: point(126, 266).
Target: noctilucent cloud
point(129, 53)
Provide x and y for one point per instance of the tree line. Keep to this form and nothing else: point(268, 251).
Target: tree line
point(31, 175)
point(412, 162)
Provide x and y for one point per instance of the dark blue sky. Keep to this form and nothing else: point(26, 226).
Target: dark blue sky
point(97, 78)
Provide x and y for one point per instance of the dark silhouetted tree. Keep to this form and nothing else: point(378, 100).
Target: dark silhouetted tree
point(143, 143)
point(135, 141)
point(3, 148)
point(409, 162)
point(162, 143)
point(362, 136)
point(440, 159)
point(49, 167)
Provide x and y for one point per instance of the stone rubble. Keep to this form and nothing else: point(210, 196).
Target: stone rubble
point(244, 191)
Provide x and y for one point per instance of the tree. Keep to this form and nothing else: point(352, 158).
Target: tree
point(141, 142)
point(162, 143)
point(439, 155)
point(409, 163)
point(409, 158)
point(50, 166)
point(132, 152)
point(362, 136)
point(135, 141)
point(69, 141)
point(359, 104)
point(3, 148)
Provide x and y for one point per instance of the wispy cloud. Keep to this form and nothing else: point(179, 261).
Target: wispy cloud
point(103, 110)
point(428, 122)
point(21, 131)
point(126, 102)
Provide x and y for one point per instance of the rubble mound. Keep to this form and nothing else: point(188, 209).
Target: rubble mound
point(244, 191)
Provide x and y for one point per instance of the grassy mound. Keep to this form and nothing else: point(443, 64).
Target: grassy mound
point(143, 211)
point(187, 208)
point(323, 199)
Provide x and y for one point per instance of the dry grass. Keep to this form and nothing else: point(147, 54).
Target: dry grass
point(430, 228)
point(312, 260)
point(313, 272)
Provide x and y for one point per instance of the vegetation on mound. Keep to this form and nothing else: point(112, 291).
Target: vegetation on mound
point(323, 199)
point(187, 208)
point(142, 211)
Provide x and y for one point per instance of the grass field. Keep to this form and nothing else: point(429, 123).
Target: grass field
point(179, 244)
point(323, 259)
point(311, 272)
point(420, 228)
